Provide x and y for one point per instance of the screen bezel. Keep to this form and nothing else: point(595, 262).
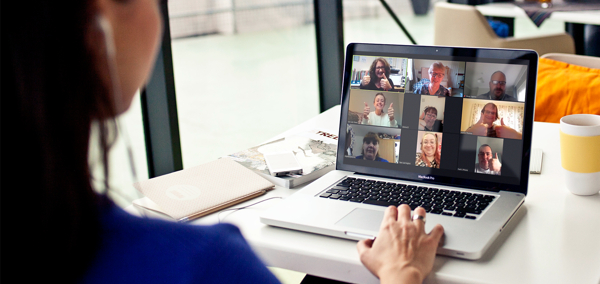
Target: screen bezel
point(528, 57)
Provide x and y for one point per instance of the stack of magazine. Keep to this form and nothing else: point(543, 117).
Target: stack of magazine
point(315, 151)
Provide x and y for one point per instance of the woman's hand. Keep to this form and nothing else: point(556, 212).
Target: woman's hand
point(402, 252)
point(384, 83)
point(366, 111)
point(366, 79)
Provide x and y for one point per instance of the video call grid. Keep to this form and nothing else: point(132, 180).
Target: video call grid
point(408, 122)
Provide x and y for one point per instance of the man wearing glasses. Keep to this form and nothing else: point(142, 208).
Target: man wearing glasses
point(486, 127)
point(432, 86)
point(497, 89)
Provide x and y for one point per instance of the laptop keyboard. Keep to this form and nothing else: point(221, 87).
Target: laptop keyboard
point(436, 201)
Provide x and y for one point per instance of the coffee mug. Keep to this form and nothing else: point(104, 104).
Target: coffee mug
point(580, 152)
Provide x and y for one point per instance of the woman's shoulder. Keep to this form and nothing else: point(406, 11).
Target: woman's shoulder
point(445, 91)
point(382, 160)
point(140, 250)
point(418, 161)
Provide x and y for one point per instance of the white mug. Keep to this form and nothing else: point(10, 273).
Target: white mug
point(580, 153)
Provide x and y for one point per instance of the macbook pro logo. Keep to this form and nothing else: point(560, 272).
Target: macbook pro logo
point(426, 177)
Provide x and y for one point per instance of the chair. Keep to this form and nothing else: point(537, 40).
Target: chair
point(581, 60)
point(463, 25)
point(567, 84)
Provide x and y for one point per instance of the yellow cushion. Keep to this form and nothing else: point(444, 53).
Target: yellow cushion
point(564, 89)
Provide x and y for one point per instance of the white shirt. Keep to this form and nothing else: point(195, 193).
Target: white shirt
point(379, 120)
point(480, 170)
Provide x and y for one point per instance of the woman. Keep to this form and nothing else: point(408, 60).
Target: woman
point(432, 86)
point(429, 155)
point(370, 148)
point(379, 117)
point(428, 120)
point(70, 65)
point(378, 77)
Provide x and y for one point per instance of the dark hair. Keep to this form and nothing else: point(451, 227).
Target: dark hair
point(371, 136)
point(53, 84)
point(386, 65)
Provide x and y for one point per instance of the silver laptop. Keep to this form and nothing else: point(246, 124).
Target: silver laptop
point(448, 130)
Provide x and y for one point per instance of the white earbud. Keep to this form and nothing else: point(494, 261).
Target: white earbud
point(111, 64)
point(106, 29)
point(109, 44)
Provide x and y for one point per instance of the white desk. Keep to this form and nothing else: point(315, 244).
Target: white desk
point(509, 10)
point(557, 238)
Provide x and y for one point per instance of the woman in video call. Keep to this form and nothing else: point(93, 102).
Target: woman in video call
point(69, 68)
point(379, 117)
point(378, 77)
point(432, 86)
point(370, 148)
point(428, 120)
point(429, 156)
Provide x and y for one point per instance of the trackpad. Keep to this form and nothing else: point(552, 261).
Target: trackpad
point(364, 219)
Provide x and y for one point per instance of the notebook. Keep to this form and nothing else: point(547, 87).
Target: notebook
point(460, 149)
point(197, 191)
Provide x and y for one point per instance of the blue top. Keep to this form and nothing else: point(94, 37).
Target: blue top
point(138, 250)
point(378, 159)
point(422, 88)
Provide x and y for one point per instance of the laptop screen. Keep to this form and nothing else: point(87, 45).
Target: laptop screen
point(442, 115)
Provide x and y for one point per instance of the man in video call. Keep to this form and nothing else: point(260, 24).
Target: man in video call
point(378, 77)
point(485, 126)
point(488, 164)
point(497, 89)
point(428, 120)
point(432, 86)
point(370, 148)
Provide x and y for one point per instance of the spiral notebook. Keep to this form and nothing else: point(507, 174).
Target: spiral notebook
point(198, 191)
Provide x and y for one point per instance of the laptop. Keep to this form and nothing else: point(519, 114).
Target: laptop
point(450, 131)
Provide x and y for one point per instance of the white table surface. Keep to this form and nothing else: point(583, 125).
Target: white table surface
point(509, 10)
point(555, 237)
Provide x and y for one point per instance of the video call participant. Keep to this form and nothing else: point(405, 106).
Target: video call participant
point(378, 77)
point(485, 126)
point(370, 148)
point(488, 164)
point(430, 155)
point(432, 86)
point(56, 109)
point(378, 117)
point(428, 120)
point(497, 89)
